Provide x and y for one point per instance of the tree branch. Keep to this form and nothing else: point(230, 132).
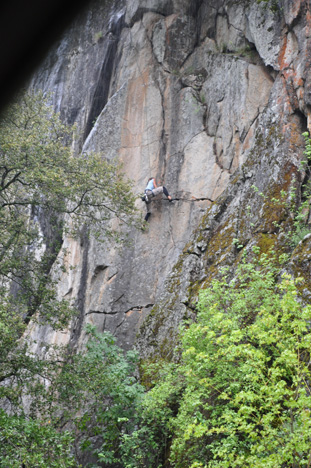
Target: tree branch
point(14, 179)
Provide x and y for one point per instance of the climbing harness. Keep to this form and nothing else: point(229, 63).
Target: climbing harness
point(147, 197)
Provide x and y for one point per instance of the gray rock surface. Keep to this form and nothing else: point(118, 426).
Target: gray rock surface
point(209, 97)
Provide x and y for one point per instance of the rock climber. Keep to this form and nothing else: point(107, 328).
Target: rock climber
point(151, 191)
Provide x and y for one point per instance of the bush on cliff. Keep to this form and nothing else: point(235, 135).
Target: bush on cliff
point(246, 373)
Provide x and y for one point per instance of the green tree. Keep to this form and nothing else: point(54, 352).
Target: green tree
point(41, 179)
point(246, 374)
point(99, 395)
point(45, 192)
point(149, 443)
point(27, 443)
point(79, 410)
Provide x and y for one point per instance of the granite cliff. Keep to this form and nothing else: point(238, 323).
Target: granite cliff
point(211, 98)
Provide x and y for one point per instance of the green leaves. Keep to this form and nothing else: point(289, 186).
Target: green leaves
point(99, 395)
point(81, 402)
point(246, 375)
point(37, 168)
point(46, 191)
point(32, 443)
point(252, 370)
point(148, 443)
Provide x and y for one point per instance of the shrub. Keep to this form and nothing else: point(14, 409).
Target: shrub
point(246, 372)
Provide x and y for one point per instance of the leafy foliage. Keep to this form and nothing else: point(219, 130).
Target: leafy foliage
point(29, 443)
point(45, 191)
point(149, 443)
point(88, 402)
point(38, 169)
point(246, 372)
point(40, 183)
point(98, 394)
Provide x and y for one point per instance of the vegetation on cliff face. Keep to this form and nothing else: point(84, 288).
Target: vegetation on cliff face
point(80, 404)
point(240, 396)
point(44, 192)
point(244, 377)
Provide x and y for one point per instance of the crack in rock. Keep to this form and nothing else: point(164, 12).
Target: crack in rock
point(131, 309)
point(193, 199)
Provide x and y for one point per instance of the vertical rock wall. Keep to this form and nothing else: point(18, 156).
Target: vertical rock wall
point(210, 97)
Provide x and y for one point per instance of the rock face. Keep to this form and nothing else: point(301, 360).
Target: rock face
point(211, 98)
